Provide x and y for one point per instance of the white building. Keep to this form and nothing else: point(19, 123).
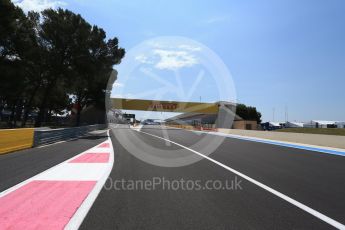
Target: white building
point(340, 124)
point(320, 124)
point(293, 124)
point(276, 125)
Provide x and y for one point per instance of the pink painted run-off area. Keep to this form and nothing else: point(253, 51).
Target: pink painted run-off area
point(91, 158)
point(104, 145)
point(43, 204)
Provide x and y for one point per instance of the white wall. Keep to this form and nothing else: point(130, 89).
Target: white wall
point(340, 125)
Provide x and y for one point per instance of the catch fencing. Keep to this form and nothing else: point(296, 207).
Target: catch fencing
point(43, 137)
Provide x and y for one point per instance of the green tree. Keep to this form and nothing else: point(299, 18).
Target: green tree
point(17, 39)
point(248, 113)
point(56, 39)
point(92, 60)
point(45, 58)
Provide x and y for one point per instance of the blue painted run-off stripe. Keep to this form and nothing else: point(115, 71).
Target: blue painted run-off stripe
point(296, 146)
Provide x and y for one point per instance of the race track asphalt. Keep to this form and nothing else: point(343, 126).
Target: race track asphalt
point(313, 179)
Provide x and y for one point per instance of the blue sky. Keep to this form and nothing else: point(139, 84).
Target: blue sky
point(288, 53)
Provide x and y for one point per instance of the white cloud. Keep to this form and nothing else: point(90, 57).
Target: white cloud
point(38, 5)
point(190, 48)
point(118, 85)
point(120, 95)
point(143, 59)
point(216, 19)
point(172, 59)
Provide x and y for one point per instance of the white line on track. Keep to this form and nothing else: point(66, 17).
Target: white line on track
point(292, 201)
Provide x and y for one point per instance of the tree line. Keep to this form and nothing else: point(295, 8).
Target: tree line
point(51, 60)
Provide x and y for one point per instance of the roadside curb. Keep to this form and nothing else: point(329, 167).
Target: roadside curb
point(81, 213)
point(61, 196)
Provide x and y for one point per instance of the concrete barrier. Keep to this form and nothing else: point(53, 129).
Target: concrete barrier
point(16, 139)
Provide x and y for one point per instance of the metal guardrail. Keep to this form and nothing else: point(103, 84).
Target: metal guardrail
point(42, 137)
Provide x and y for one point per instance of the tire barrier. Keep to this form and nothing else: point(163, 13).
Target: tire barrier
point(16, 139)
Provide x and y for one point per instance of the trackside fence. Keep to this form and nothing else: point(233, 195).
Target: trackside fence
point(204, 127)
point(17, 139)
point(42, 137)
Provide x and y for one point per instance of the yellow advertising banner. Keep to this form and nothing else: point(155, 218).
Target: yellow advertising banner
point(164, 106)
point(15, 139)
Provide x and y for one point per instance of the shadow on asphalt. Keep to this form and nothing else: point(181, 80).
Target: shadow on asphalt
point(93, 137)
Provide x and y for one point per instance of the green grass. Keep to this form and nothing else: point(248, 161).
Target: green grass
point(329, 131)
